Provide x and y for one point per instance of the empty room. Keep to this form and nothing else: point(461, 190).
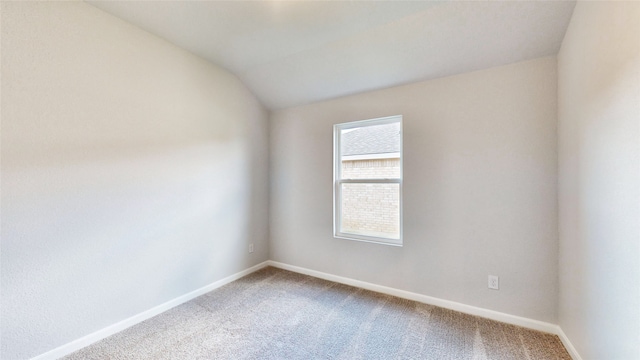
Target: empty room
point(320, 180)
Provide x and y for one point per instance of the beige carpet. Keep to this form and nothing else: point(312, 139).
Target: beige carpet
point(276, 314)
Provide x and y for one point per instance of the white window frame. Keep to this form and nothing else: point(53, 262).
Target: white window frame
point(338, 181)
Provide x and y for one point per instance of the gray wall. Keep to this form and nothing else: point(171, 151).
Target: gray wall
point(480, 173)
point(599, 180)
point(133, 172)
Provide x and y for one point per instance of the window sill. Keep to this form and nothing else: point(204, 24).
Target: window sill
point(367, 239)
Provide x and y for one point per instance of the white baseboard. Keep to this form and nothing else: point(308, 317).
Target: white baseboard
point(117, 327)
point(568, 345)
point(452, 305)
point(467, 309)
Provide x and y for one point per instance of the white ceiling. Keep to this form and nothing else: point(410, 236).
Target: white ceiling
point(292, 53)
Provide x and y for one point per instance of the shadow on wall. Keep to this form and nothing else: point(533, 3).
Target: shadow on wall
point(124, 233)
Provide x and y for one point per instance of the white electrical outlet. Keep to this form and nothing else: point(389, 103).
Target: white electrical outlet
point(494, 282)
point(251, 247)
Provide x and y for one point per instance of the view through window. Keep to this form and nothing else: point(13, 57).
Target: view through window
point(368, 180)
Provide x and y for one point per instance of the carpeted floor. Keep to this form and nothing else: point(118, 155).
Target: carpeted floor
point(276, 314)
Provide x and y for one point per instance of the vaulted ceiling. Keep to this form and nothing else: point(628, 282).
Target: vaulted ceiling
point(290, 53)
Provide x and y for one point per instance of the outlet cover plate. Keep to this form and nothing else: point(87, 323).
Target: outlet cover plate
point(494, 282)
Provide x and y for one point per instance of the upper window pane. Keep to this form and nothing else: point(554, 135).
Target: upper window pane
point(371, 152)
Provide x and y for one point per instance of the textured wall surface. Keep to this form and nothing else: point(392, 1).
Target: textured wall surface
point(480, 172)
point(599, 180)
point(133, 172)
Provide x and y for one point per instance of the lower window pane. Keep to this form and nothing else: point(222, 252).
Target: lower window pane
point(371, 210)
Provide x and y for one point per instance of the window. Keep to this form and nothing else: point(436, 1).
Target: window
point(367, 180)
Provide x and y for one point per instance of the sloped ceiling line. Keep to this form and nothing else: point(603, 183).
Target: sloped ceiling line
point(293, 53)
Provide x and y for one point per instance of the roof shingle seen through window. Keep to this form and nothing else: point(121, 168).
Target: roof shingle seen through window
point(376, 139)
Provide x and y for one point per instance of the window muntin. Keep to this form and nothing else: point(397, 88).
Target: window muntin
point(368, 180)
